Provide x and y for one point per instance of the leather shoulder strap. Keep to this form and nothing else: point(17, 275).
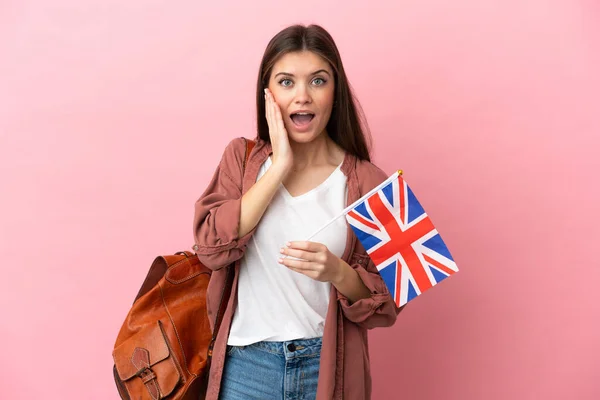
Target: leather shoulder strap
point(249, 146)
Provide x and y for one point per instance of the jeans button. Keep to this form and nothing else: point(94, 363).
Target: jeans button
point(291, 347)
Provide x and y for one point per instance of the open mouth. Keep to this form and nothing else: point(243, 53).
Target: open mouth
point(302, 120)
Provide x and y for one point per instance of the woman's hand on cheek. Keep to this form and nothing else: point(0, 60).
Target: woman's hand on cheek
point(315, 261)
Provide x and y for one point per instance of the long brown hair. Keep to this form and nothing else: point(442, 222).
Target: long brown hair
point(347, 125)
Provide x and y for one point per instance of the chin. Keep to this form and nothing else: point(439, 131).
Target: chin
point(302, 137)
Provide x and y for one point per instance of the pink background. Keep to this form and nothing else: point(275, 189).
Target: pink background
point(114, 114)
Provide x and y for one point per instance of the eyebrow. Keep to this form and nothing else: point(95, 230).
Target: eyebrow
point(292, 75)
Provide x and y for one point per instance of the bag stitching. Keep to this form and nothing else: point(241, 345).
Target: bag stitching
point(176, 332)
point(173, 281)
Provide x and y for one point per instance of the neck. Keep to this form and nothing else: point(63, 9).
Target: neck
point(320, 151)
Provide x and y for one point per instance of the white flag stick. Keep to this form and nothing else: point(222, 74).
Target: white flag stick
point(351, 206)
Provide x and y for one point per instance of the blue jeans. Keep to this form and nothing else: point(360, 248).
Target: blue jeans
point(272, 370)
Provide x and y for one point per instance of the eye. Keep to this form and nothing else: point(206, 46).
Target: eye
point(281, 82)
point(321, 80)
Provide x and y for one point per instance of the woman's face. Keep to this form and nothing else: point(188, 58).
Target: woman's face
point(302, 83)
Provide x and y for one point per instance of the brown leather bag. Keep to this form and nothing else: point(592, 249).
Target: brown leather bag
point(164, 347)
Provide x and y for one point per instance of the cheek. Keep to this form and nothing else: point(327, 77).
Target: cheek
point(282, 101)
point(328, 103)
point(281, 105)
point(328, 100)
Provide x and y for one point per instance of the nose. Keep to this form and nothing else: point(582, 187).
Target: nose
point(302, 95)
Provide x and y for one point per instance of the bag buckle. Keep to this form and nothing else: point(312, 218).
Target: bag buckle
point(141, 359)
point(146, 374)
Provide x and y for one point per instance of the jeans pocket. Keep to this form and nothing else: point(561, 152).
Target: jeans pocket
point(232, 349)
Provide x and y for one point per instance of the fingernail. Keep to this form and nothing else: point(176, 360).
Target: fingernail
point(281, 251)
point(288, 244)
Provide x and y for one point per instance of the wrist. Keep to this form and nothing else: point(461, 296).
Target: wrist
point(342, 273)
point(281, 169)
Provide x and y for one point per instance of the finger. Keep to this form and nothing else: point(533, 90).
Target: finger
point(275, 114)
point(268, 111)
point(302, 254)
point(297, 264)
point(278, 117)
point(305, 245)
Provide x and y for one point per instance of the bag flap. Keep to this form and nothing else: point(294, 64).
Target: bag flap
point(144, 349)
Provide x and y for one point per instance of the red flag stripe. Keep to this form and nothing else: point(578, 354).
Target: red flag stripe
point(362, 220)
point(402, 199)
point(438, 265)
point(401, 242)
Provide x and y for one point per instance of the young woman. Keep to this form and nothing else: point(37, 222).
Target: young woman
point(296, 323)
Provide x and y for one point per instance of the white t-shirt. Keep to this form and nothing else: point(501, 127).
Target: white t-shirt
point(274, 302)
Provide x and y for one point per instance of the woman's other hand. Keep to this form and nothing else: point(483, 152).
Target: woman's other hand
point(318, 263)
point(315, 261)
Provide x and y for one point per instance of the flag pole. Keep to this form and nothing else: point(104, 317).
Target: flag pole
point(351, 206)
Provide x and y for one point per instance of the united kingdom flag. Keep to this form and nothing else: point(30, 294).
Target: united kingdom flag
point(401, 240)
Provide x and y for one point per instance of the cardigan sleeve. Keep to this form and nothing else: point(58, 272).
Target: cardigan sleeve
point(217, 212)
point(378, 310)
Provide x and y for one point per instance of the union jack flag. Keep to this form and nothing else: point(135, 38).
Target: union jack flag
point(401, 240)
